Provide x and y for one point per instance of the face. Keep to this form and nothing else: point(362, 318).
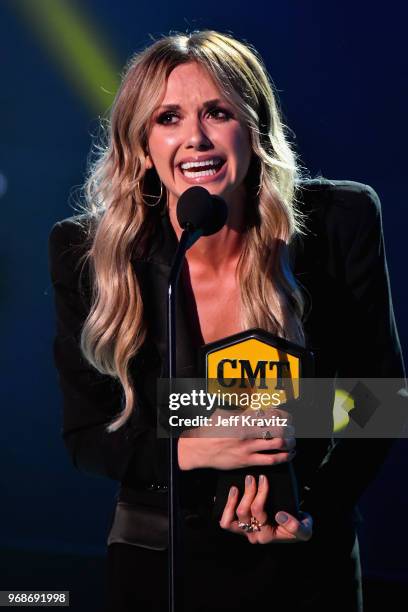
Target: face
point(196, 138)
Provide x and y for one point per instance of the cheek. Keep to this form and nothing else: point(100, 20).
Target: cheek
point(162, 148)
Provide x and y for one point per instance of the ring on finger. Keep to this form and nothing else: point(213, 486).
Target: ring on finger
point(256, 525)
point(245, 526)
point(253, 525)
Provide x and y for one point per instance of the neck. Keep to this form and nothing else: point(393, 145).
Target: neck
point(219, 251)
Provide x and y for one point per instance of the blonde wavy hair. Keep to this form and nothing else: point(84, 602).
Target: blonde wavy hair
point(114, 330)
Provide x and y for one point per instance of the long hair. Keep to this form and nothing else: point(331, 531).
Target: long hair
point(117, 192)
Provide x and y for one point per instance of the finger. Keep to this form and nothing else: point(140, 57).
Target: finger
point(276, 432)
point(243, 511)
point(262, 459)
point(300, 530)
point(268, 444)
point(228, 515)
point(278, 443)
point(258, 505)
point(257, 430)
point(284, 432)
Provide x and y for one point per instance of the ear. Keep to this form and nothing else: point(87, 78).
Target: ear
point(149, 163)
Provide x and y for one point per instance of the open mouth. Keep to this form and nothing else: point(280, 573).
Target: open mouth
point(198, 169)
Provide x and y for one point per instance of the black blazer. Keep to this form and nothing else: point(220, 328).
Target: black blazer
point(341, 266)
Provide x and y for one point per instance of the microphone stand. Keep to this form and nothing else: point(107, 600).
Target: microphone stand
point(188, 238)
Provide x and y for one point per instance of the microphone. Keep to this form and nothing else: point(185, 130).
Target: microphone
point(200, 213)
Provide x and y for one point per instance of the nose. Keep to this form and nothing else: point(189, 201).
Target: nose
point(196, 137)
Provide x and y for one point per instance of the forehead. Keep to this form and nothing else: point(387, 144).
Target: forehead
point(188, 83)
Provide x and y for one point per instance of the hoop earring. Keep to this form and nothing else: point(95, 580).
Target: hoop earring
point(158, 198)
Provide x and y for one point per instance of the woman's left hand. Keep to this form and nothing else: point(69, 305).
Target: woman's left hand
point(250, 511)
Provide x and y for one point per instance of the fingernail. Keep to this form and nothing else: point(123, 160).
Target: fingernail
point(232, 491)
point(261, 479)
point(281, 517)
point(248, 479)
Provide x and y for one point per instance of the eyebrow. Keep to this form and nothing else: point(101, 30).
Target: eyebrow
point(176, 107)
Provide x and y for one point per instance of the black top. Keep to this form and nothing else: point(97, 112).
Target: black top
point(341, 266)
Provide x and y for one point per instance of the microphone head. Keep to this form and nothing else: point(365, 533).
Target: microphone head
point(198, 210)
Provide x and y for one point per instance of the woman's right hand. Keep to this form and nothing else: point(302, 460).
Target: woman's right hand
point(249, 447)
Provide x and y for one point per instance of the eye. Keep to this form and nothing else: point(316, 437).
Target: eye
point(219, 114)
point(167, 118)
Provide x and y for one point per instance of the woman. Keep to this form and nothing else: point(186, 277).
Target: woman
point(304, 262)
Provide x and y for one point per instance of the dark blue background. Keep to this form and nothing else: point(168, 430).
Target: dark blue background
point(340, 69)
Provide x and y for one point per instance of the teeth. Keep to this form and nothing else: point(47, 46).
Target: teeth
point(186, 167)
point(199, 164)
point(200, 173)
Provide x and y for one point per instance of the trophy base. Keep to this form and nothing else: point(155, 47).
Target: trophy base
point(282, 495)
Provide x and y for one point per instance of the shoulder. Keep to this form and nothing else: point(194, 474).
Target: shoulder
point(68, 243)
point(339, 205)
point(72, 231)
point(338, 214)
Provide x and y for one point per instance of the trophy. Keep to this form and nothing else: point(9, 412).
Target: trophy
point(251, 373)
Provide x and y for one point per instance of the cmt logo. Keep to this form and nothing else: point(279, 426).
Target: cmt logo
point(253, 364)
point(247, 374)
